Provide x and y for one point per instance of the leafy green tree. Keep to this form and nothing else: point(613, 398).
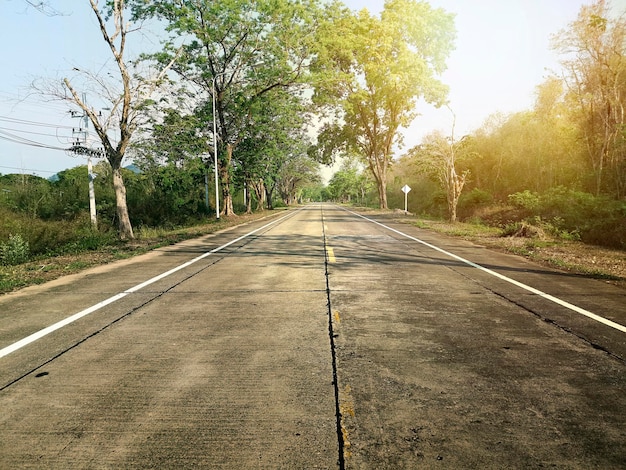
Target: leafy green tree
point(274, 151)
point(240, 50)
point(174, 139)
point(344, 184)
point(172, 158)
point(371, 72)
point(534, 149)
point(297, 172)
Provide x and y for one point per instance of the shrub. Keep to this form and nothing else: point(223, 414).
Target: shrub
point(525, 200)
point(14, 251)
point(476, 197)
point(471, 203)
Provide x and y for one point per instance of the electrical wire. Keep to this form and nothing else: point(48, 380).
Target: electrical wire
point(28, 169)
point(32, 123)
point(22, 140)
point(27, 132)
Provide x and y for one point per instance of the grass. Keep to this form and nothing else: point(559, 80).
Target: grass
point(79, 257)
point(558, 252)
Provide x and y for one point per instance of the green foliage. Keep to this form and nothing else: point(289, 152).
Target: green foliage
point(525, 200)
point(593, 52)
point(14, 251)
point(27, 194)
point(237, 53)
point(85, 238)
point(472, 202)
point(371, 72)
point(350, 184)
point(570, 215)
point(168, 195)
point(477, 197)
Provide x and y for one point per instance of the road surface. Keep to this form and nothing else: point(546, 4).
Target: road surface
point(315, 338)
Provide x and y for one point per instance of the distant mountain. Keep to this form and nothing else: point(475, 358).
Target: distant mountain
point(132, 167)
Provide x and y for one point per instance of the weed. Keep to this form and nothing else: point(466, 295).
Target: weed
point(15, 251)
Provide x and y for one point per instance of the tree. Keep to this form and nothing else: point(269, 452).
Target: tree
point(173, 140)
point(438, 156)
point(126, 99)
point(297, 172)
point(273, 151)
point(371, 72)
point(344, 185)
point(594, 58)
point(235, 52)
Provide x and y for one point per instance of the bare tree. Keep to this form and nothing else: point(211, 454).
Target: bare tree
point(438, 156)
point(125, 92)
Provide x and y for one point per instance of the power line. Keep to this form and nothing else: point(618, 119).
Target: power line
point(28, 132)
point(32, 123)
point(32, 101)
point(28, 169)
point(22, 140)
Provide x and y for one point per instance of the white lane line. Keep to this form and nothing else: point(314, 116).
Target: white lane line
point(41, 333)
point(546, 296)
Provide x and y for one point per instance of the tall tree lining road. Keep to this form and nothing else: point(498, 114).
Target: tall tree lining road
point(230, 361)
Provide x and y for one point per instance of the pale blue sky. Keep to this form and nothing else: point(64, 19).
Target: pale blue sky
point(501, 55)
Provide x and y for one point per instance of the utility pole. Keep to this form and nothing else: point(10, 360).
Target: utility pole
point(80, 147)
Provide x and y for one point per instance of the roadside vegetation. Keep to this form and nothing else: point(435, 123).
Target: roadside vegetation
point(555, 171)
point(242, 86)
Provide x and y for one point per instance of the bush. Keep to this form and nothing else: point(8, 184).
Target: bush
point(14, 251)
point(573, 215)
point(525, 200)
point(471, 203)
point(476, 197)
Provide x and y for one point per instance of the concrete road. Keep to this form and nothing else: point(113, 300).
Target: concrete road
point(315, 339)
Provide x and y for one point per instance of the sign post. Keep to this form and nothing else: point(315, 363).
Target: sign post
point(405, 189)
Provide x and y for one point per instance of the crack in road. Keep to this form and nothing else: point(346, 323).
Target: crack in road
point(542, 317)
point(333, 351)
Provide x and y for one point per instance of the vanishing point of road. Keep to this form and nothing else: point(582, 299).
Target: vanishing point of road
point(315, 338)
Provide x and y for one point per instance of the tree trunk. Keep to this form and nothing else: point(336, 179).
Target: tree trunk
point(125, 228)
point(382, 192)
point(248, 200)
point(227, 209)
point(259, 191)
point(378, 167)
point(268, 197)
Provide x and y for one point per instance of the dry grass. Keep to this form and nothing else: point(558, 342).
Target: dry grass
point(571, 256)
point(44, 269)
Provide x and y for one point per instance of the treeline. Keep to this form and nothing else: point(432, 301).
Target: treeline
point(560, 165)
point(242, 85)
point(52, 216)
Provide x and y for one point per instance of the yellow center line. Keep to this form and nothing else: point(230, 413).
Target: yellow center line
point(331, 255)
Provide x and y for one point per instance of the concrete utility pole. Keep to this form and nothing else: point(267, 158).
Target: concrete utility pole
point(80, 147)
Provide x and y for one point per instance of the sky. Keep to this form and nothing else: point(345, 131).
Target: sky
point(502, 53)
